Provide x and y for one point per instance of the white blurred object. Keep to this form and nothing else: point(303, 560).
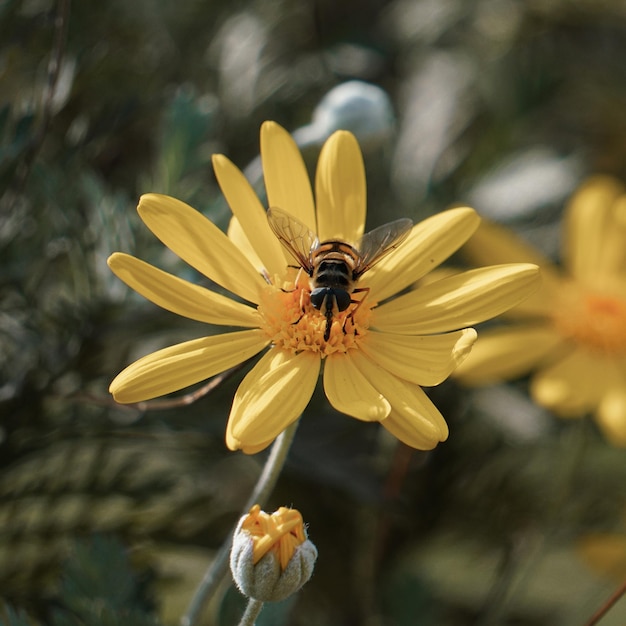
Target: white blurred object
point(512, 412)
point(424, 21)
point(525, 183)
point(362, 108)
point(238, 47)
point(63, 86)
point(437, 103)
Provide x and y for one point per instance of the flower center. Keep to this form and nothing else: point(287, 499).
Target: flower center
point(596, 320)
point(295, 324)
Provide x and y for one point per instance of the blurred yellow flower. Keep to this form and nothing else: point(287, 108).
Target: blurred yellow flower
point(605, 553)
point(573, 331)
point(376, 354)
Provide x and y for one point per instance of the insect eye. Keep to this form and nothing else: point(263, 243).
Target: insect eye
point(318, 296)
point(343, 299)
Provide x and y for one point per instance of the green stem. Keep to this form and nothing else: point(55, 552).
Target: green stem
point(263, 488)
point(253, 610)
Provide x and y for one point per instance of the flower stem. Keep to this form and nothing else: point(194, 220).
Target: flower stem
point(263, 488)
point(253, 610)
point(607, 606)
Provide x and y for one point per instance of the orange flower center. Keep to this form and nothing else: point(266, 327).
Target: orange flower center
point(282, 532)
point(597, 321)
point(295, 324)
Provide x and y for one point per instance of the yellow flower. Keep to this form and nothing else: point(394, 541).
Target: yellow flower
point(282, 532)
point(573, 331)
point(377, 353)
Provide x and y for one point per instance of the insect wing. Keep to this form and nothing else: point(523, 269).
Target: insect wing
point(380, 241)
point(294, 235)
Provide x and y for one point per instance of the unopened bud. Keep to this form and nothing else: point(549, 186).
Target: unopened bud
point(362, 108)
point(271, 557)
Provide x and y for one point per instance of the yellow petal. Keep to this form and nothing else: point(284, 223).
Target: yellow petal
point(286, 177)
point(250, 214)
point(508, 352)
point(340, 189)
point(429, 243)
point(576, 384)
point(422, 359)
point(413, 415)
point(350, 392)
point(458, 301)
point(595, 229)
point(492, 244)
point(185, 364)
point(179, 296)
point(611, 416)
point(271, 397)
point(197, 241)
point(408, 431)
point(238, 237)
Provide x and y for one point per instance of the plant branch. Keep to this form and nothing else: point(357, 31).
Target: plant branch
point(263, 488)
point(607, 606)
point(253, 610)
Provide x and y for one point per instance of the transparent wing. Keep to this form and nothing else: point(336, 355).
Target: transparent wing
point(380, 241)
point(294, 235)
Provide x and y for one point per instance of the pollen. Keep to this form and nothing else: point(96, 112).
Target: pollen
point(595, 320)
point(294, 324)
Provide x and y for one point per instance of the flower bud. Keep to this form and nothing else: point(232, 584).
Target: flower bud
point(271, 557)
point(362, 108)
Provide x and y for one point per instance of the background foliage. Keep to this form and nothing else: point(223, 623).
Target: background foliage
point(109, 515)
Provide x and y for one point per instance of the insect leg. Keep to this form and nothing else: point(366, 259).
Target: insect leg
point(358, 303)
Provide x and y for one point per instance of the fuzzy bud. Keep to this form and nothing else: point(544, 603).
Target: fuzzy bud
point(271, 557)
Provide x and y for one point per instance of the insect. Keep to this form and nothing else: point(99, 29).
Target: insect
point(335, 266)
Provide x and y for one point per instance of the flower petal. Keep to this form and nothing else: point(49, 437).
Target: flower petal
point(185, 364)
point(576, 384)
point(350, 392)
point(595, 230)
point(611, 416)
point(458, 301)
point(407, 432)
point(413, 415)
point(197, 241)
point(286, 177)
point(179, 296)
point(249, 211)
point(238, 237)
point(340, 189)
point(423, 359)
point(271, 397)
point(493, 244)
point(430, 243)
point(508, 352)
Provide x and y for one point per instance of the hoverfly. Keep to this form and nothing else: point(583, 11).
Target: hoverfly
point(335, 266)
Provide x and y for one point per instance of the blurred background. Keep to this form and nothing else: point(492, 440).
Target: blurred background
point(109, 514)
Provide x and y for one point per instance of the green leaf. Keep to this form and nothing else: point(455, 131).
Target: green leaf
point(10, 617)
point(100, 588)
